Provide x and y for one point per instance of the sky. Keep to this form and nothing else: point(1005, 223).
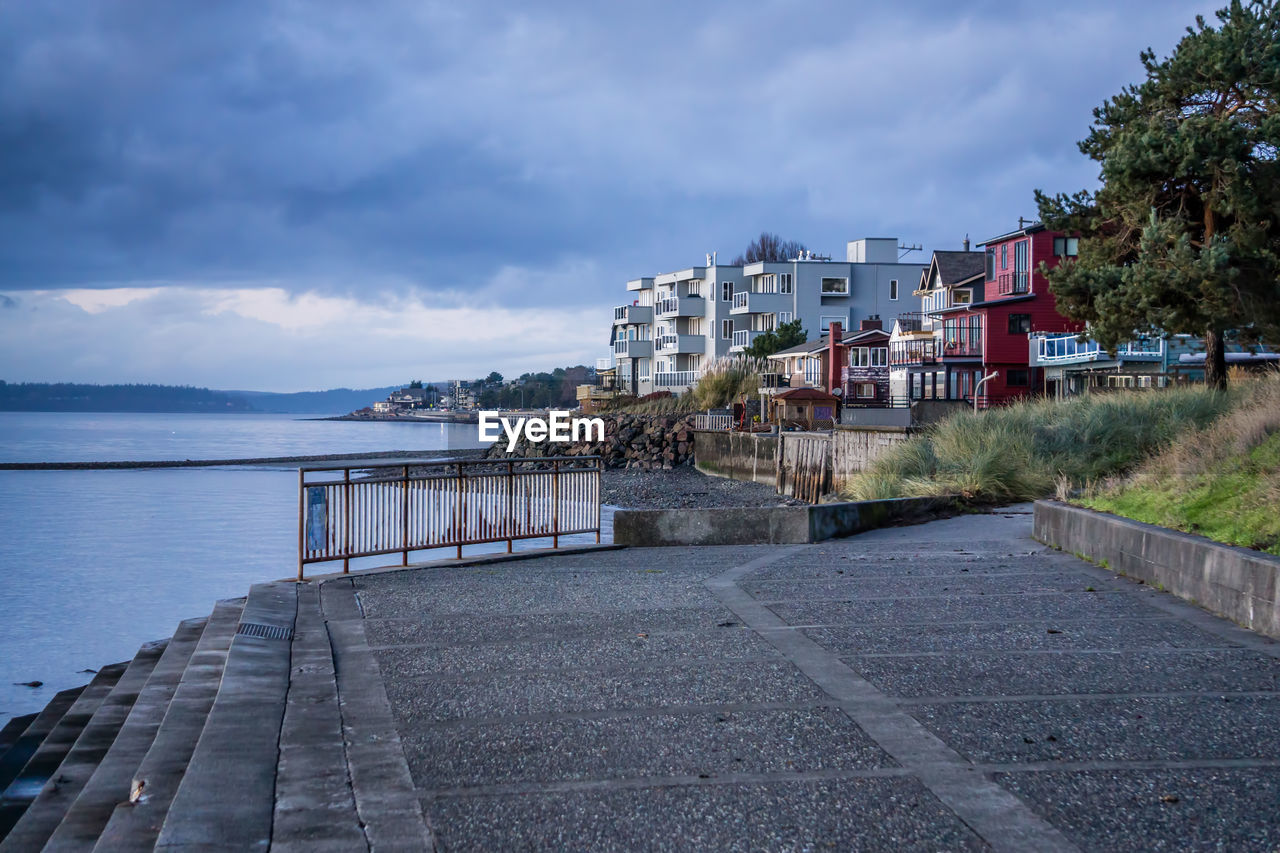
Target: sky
point(287, 195)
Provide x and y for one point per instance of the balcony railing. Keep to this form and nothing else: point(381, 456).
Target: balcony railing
point(675, 379)
point(681, 306)
point(740, 299)
point(632, 314)
point(913, 352)
point(1012, 282)
point(773, 380)
point(1068, 348)
point(743, 338)
point(912, 321)
point(962, 348)
point(632, 349)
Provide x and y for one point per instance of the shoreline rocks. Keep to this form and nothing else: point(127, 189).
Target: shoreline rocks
point(645, 442)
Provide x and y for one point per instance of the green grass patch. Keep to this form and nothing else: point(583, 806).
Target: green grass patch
point(1235, 500)
point(1025, 450)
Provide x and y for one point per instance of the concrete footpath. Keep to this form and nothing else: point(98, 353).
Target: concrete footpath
point(953, 685)
point(947, 686)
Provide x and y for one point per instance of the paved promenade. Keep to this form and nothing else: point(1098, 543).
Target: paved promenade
point(948, 686)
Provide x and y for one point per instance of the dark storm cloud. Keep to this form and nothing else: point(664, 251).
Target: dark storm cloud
point(346, 147)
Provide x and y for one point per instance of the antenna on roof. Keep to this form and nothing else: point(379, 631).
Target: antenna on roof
point(906, 250)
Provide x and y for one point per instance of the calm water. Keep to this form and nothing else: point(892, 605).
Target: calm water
point(94, 563)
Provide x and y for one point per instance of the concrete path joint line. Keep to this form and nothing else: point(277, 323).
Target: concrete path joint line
point(997, 816)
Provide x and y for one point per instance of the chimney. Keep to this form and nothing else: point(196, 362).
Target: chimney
point(872, 322)
point(834, 361)
point(966, 242)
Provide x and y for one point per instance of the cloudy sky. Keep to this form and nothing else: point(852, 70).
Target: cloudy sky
point(288, 195)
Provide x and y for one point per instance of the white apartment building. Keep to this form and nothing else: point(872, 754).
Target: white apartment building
point(678, 323)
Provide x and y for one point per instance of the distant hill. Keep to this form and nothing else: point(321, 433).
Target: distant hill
point(73, 397)
point(338, 401)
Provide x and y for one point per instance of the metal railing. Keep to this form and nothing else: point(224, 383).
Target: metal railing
point(675, 378)
point(397, 509)
point(912, 352)
point(713, 422)
point(1012, 282)
point(1070, 348)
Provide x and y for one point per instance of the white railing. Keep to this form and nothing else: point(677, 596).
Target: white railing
point(605, 363)
point(740, 299)
point(666, 342)
point(1069, 348)
point(620, 313)
point(713, 422)
point(743, 338)
point(675, 379)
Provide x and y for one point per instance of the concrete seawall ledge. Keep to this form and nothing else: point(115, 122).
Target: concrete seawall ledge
point(1237, 583)
point(783, 525)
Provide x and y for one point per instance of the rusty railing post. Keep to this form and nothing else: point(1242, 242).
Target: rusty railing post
point(510, 520)
point(346, 523)
point(404, 516)
point(302, 521)
point(460, 509)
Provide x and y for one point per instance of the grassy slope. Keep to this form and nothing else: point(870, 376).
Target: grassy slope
point(1023, 451)
point(1222, 482)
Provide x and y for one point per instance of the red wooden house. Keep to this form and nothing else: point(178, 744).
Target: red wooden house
point(1015, 303)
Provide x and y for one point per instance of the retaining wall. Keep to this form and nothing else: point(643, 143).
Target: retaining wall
point(737, 456)
point(1233, 582)
point(783, 525)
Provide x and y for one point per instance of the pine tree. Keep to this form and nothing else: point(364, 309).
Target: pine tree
point(1184, 235)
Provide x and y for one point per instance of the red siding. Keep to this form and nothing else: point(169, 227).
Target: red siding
point(1001, 350)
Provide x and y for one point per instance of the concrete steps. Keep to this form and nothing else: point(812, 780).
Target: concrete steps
point(240, 732)
point(69, 771)
point(42, 765)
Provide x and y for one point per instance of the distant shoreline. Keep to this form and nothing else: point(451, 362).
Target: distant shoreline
point(378, 457)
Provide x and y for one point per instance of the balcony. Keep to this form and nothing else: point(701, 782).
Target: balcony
point(1066, 349)
point(905, 353)
point(632, 349)
point(606, 363)
point(962, 348)
point(914, 321)
point(640, 284)
point(760, 303)
point(675, 379)
point(682, 306)
point(677, 344)
point(632, 315)
point(742, 339)
point(1012, 283)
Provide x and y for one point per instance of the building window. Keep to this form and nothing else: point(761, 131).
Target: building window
point(865, 390)
point(961, 297)
point(784, 317)
point(835, 287)
point(860, 357)
point(1066, 247)
point(893, 288)
point(1004, 256)
point(784, 282)
point(991, 264)
point(824, 323)
point(726, 291)
point(1019, 378)
point(1019, 324)
point(880, 357)
point(726, 330)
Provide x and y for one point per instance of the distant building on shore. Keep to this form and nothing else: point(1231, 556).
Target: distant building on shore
point(679, 323)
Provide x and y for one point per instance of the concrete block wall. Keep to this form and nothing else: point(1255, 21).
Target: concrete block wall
point(737, 456)
point(1236, 583)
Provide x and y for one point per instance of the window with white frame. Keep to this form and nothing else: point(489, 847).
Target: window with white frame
point(835, 287)
point(785, 317)
point(726, 330)
point(824, 322)
point(865, 390)
point(893, 289)
point(859, 357)
point(695, 287)
point(784, 282)
point(961, 297)
point(726, 291)
point(1066, 247)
